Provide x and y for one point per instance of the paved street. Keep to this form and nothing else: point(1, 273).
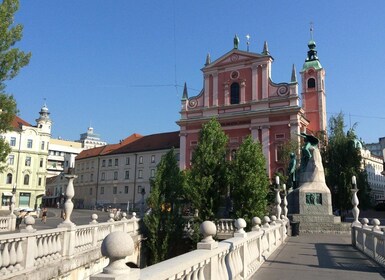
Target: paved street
point(319, 256)
point(79, 217)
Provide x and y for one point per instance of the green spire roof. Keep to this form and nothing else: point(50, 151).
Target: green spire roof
point(312, 60)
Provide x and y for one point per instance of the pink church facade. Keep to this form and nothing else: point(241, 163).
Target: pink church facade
point(239, 92)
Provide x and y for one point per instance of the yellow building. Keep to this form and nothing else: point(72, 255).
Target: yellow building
point(25, 171)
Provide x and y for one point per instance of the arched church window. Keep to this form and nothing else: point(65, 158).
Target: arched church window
point(234, 93)
point(26, 179)
point(311, 83)
point(9, 178)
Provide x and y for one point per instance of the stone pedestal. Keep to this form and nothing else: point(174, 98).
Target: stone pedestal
point(311, 203)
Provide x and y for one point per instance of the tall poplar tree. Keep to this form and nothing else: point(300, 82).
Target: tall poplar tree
point(11, 61)
point(342, 159)
point(249, 181)
point(164, 224)
point(208, 178)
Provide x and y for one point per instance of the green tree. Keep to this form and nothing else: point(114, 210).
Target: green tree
point(164, 224)
point(207, 179)
point(342, 160)
point(11, 61)
point(249, 181)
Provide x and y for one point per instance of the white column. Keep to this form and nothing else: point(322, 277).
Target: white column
point(226, 94)
point(207, 90)
point(254, 82)
point(266, 145)
point(182, 150)
point(243, 94)
point(215, 89)
point(265, 81)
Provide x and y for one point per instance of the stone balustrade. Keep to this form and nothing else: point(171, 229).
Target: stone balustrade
point(235, 258)
point(370, 239)
point(52, 251)
point(7, 223)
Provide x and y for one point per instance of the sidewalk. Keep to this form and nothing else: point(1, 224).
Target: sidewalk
point(319, 256)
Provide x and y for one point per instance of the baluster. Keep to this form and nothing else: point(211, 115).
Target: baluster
point(1, 257)
point(59, 248)
point(5, 257)
point(12, 257)
point(19, 255)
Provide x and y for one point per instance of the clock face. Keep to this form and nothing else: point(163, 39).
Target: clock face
point(234, 75)
point(234, 57)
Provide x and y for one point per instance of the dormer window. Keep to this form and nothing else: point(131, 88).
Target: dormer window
point(311, 83)
point(234, 93)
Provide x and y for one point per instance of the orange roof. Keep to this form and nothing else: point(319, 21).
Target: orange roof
point(103, 150)
point(18, 122)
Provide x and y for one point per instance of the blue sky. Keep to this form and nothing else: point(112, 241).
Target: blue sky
point(120, 65)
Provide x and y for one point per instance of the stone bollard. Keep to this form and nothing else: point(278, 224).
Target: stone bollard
point(29, 221)
point(256, 222)
point(266, 221)
point(111, 219)
point(124, 217)
point(208, 230)
point(376, 225)
point(240, 224)
point(94, 218)
point(365, 222)
point(117, 246)
point(273, 220)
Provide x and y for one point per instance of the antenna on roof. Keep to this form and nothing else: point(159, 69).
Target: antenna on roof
point(311, 30)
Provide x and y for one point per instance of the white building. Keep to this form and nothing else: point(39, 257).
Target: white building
point(25, 172)
point(62, 154)
point(91, 140)
point(374, 166)
point(120, 174)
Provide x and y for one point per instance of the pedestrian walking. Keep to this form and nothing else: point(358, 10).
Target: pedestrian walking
point(44, 215)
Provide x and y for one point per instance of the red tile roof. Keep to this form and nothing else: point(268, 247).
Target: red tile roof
point(104, 150)
point(152, 142)
point(18, 122)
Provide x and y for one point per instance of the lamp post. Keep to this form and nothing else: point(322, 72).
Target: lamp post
point(278, 198)
point(12, 206)
point(355, 202)
point(142, 192)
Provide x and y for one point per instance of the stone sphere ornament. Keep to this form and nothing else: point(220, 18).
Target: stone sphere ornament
point(208, 230)
point(240, 224)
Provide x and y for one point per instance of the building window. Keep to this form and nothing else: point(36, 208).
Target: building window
point(311, 83)
point(11, 159)
point(42, 145)
point(81, 178)
point(115, 190)
point(141, 159)
point(13, 142)
point(91, 177)
point(26, 179)
point(152, 174)
point(140, 174)
point(29, 143)
point(28, 161)
point(9, 178)
point(127, 175)
point(39, 181)
point(116, 162)
point(41, 162)
point(110, 162)
point(116, 175)
point(234, 93)
point(103, 176)
point(279, 152)
point(103, 163)
point(90, 191)
point(125, 189)
point(139, 189)
point(153, 159)
point(127, 161)
point(101, 190)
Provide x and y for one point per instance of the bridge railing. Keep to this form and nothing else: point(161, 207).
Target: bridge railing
point(25, 251)
point(370, 239)
point(235, 258)
point(7, 223)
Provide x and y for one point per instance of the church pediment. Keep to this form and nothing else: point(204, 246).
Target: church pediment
point(235, 57)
